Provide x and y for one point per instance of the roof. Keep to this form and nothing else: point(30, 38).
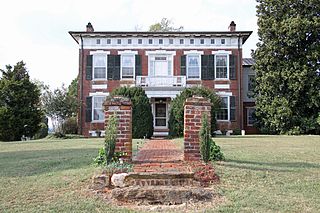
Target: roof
point(77, 34)
point(248, 62)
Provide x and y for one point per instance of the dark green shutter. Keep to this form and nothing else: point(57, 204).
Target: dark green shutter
point(89, 67)
point(116, 71)
point(211, 67)
point(138, 65)
point(183, 68)
point(232, 108)
point(232, 67)
point(88, 109)
point(110, 67)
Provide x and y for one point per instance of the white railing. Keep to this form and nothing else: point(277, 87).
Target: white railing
point(161, 81)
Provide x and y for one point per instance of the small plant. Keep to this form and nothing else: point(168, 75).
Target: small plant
point(101, 158)
point(110, 138)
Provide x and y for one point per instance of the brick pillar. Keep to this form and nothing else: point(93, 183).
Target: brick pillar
point(122, 107)
point(193, 109)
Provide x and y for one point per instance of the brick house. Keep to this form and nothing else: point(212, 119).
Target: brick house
point(163, 63)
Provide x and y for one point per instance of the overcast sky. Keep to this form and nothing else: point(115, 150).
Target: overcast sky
point(36, 31)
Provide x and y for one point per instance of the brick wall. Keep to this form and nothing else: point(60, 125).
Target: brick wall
point(122, 107)
point(193, 109)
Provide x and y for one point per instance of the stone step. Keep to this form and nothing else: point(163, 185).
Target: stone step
point(162, 195)
point(160, 179)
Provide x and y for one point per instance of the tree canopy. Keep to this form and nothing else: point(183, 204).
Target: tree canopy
point(20, 112)
point(288, 66)
point(165, 25)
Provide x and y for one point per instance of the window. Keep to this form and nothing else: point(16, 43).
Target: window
point(99, 66)
point(250, 83)
point(139, 41)
point(212, 41)
point(97, 108)
point(221, 66)
point(108, 41)
point(118, 41)
point(170, 41)
point(181, 41)
point(192, 41)
point(127, 66)
point(150, 41)
point(160, 41)
point(223, 113)
point(223, 41)
point(250, 116)
point(129, 41)
point(98, 41)
point(193, 66)
point(202, 41)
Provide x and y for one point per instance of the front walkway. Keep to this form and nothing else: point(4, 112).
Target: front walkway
point(159, 156)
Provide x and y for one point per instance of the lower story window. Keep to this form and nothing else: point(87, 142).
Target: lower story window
point(223, 113)
point(97, 108)
point(250, 116)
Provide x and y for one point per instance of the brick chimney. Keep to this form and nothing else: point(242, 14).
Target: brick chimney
point(232, 27)
point(89, 27)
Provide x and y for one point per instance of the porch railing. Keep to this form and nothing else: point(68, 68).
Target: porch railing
point(161, 81)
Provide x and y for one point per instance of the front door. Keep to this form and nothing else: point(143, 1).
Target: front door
point(160, 118)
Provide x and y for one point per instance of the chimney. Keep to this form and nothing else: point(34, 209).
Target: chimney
point(89, 27)
point(232, 27)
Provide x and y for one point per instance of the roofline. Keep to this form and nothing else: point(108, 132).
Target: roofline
point(244, 34)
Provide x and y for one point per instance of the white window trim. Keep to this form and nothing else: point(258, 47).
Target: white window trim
point(215, 66)
point(193, 53)
point(157, 53)
point(134, 66)
point(99, 52)
point(92, 109)
point(248, 108)
point(227, 95)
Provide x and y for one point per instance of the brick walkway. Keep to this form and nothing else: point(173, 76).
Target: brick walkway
point(159, 156)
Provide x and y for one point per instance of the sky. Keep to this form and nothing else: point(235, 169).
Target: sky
point(36, 31)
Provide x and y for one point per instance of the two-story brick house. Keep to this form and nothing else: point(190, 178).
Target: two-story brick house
point(163, 63)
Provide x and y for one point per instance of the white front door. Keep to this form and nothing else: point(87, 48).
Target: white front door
point(161, 68)
point(160, 65)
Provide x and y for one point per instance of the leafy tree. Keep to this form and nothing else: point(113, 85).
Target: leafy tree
point(142, 119)
point(73, 88)
point(288, 66)
point(20, 112)
point(165, 25)
point(176, 120)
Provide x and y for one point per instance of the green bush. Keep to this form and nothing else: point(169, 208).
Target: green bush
point(176, 120)
point(205, 136)
point(142, 119)
point(215, 152)
point(110, 138)
point(42, 132)
point(70, 126)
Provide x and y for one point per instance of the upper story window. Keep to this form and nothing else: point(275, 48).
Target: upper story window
point(221, 65)
point(250, 83)
point(99, 66)
point(127, 66)
point(181, 41)
point(98, 41)
point(150, 41)
point(223, 41)
point(129, 41)
point(193, 66)
point(212, 41)
point(97, 108)
point(108, 41)
point(139, 41)
point(160, 41)
point(170, 41)
point(118, 41)
point(202, 41)
point(191, 41)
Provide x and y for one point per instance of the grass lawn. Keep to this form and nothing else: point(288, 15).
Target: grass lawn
point(260, 174)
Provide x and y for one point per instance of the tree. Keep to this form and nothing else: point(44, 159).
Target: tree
point(20, 112)
point(288, 66)
point(73, 88)
point(165, 25)
point(142, 119)
point(176, 120)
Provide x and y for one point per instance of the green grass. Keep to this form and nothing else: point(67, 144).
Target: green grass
point(260, 174)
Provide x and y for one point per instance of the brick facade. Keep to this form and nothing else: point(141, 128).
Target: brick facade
point(193, 110)
point(122, 107)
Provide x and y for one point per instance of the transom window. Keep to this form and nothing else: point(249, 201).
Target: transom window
point(97, 108)
point(221, 66)
point(192, 41)
point(170, 41)
point(181, 41)
point(223, 113)
point(129, 41)
point(98, 41)
point(160, 41)
point(139, 41)
point(150, 41)
point(223, 41)
point(118, 41)
point(212, 41)
point(108, 41)
point(127, 66)
point(193, 66)
point(202, 41)
point(99, 66)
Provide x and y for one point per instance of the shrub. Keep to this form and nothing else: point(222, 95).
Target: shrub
point(205, 138)
point(142, 119)
point(176, 120)
point(110, 138)
point(70, 126)
point(42, 132)
point(215, 152)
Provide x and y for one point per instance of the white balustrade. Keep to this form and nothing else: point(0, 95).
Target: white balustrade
point(161, 81)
